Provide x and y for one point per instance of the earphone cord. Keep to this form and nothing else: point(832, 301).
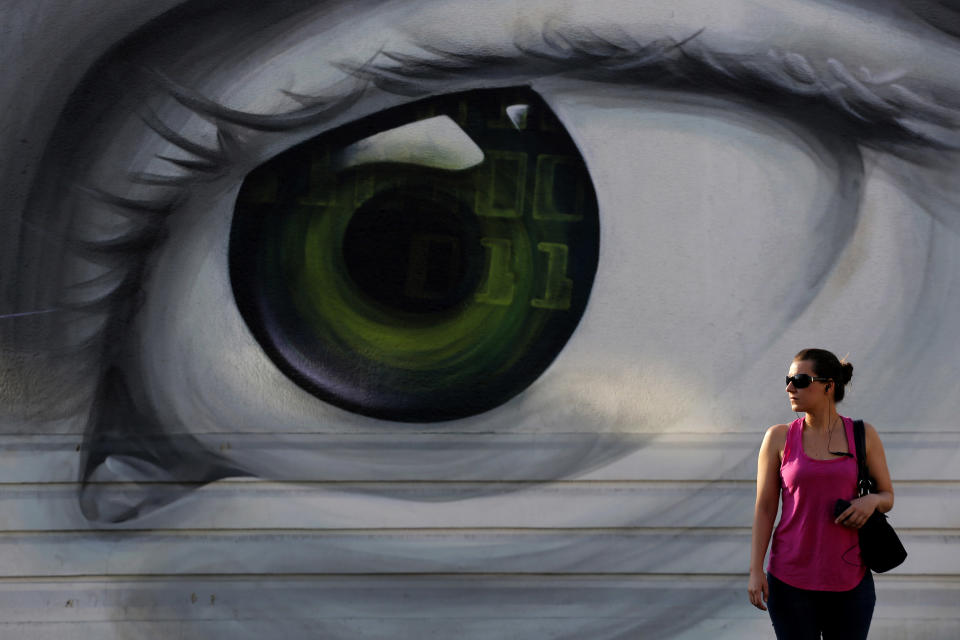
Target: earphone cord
point(843, 556)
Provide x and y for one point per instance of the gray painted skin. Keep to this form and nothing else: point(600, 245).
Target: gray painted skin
point(738, 226)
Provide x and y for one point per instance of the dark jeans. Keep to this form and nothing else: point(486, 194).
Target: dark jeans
point(799, 614)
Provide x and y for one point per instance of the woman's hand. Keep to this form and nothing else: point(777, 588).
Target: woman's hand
point(859, 511)
point(758, 590)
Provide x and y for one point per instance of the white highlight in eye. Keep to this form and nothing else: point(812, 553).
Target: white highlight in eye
point(437, 143)
point(518, 115)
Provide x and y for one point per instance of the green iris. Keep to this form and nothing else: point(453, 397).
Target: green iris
point(411, 276)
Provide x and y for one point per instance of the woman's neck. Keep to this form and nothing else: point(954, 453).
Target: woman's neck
point(823, 419)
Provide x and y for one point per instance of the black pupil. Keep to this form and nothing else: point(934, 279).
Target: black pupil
point(414, 254)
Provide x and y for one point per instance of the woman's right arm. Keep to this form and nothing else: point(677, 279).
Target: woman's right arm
point(765, 510)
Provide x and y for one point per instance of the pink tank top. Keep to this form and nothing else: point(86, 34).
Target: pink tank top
point(809, 551)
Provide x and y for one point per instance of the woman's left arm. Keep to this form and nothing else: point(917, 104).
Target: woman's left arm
point(877, 466)
point(861, 509)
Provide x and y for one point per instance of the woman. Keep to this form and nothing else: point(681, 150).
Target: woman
point(815, 582)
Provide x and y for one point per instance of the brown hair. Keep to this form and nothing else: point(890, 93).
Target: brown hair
point(827, 365)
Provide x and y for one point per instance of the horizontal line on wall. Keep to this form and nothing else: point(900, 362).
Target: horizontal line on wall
point(233, 483)
point(944, 579)
point(387, 577)
point(393, 430)
point(378, 532)
point(367, 533)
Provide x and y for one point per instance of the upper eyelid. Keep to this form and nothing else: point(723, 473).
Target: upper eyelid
point(316, 109)
point(881, 110)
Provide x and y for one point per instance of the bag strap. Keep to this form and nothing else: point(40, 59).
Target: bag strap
point(863, 475)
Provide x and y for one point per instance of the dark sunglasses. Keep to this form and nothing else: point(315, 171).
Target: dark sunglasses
point(803, 380)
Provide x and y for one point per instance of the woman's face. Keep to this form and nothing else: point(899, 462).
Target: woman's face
point(809, 398)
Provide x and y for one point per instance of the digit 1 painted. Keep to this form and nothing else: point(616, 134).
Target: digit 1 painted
point(558, 287)
point(499, 286)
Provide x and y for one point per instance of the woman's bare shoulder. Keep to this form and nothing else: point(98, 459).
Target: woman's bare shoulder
point(776, 436)
point(871, 433)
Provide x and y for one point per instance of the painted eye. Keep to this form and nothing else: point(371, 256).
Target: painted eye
point(427, 263)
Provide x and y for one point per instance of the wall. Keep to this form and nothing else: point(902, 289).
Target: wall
point(769, 176)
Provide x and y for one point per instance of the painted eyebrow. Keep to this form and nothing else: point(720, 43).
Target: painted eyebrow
point(879, 108)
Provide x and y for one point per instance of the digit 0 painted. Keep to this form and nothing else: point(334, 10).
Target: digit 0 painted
point(551, 171)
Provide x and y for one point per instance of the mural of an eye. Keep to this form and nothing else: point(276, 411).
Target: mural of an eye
point(427, 263)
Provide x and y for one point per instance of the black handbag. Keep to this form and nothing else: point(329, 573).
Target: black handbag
point(880, 548)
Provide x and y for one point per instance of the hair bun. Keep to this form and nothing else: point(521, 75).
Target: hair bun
point(825, 364)
point(846, 372)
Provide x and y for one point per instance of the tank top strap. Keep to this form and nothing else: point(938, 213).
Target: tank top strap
point(793, 443)
point(848, 429)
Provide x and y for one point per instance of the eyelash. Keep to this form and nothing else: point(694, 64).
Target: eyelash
point(665, 62)
point(209, 164)
point(893, 112)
